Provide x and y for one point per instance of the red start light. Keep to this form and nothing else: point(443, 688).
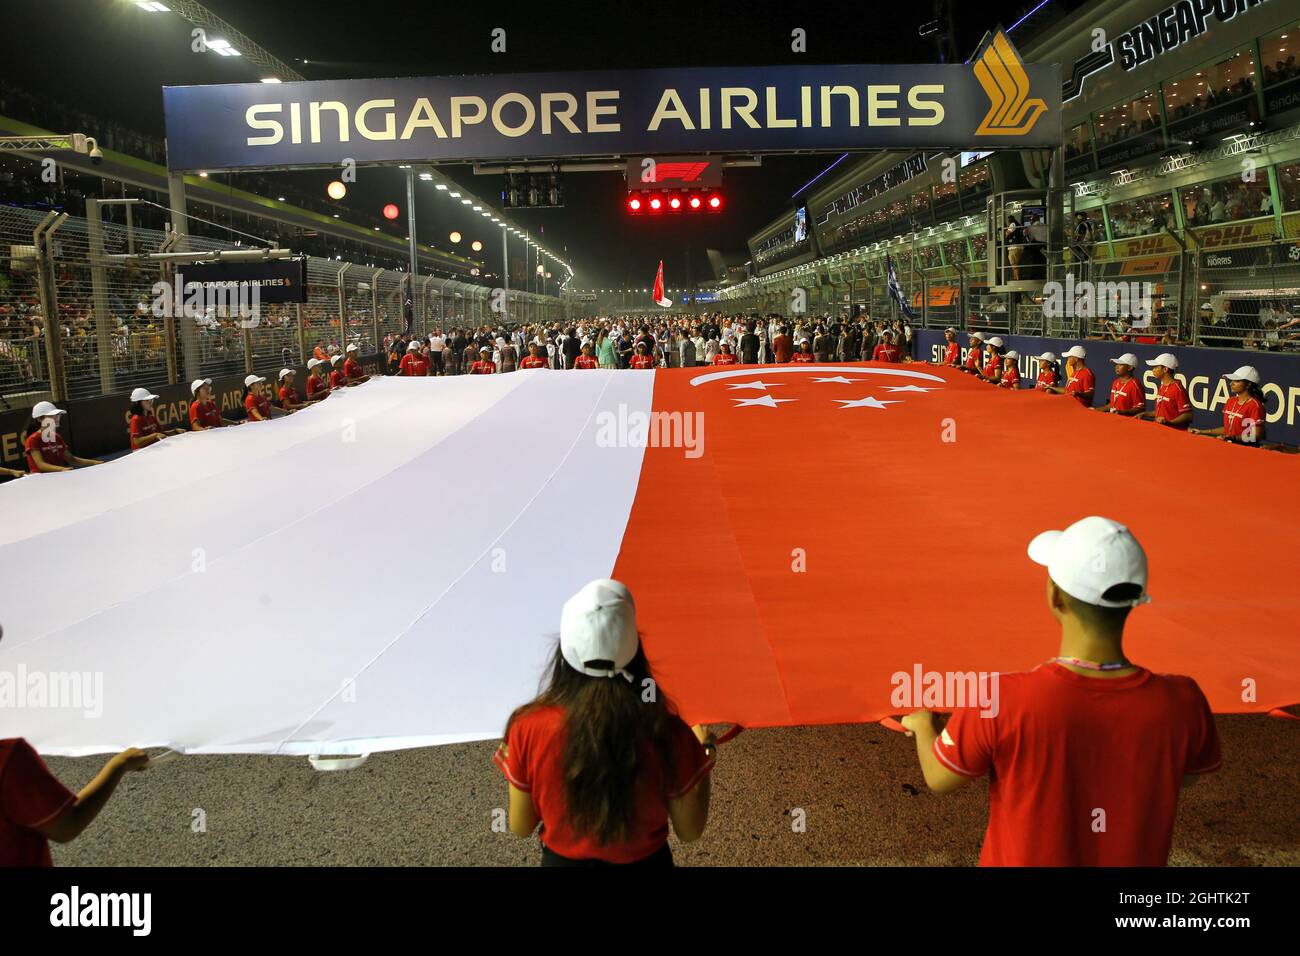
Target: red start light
point(656, 203)
point(695, 202)
point(391, 211)
point(634, 204)
point(715, 202)
point(675, 203)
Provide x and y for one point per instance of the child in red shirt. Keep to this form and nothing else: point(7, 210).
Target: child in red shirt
point(594, 810)
point(1047, 737)
point(1244, 415)
point(36, 808)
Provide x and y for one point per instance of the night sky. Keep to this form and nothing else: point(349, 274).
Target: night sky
point(112, 59)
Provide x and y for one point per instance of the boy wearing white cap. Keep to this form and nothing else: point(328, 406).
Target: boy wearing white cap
point(1173, 407)
point(1243, 414)
point(484, 365)
point(1087, 737)
point(413, 363)
point(338, 378)
point(603, 766)
point(951, 350)
point(353, 373)
point(318, 385)
point(1126, 396)
point(1080, 383)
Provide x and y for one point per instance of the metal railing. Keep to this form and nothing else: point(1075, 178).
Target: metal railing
point(83, 307)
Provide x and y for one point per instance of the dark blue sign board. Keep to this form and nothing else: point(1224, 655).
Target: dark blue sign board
point(995, 102)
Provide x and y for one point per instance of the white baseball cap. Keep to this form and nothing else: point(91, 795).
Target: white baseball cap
point(1076, 351)
point(198, 383)
point(950, 329)
point(1047, 357)
point(313, 362)
point(143, 395)
point(599, 624)
point(283, 373)
point(977, 336)
point(1090, 557)
point(1012, 355)
point(996, 342)
point(45, 410)
point(1167, 359)
point(352, 347)
point(253, 380)
point(413, 346)
point(1128, 358)
point(484, 349)
point(1246, 373)
point(335, 359)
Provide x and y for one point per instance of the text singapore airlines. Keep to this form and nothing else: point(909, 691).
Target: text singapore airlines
point(516, 114)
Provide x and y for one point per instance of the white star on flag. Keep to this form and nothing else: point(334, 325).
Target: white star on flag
point(838, 378)
point(766, 400)
point(868, 402)
point(760, 385)
point(907, 388)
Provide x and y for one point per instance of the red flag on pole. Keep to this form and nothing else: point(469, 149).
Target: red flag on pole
point(659, 297)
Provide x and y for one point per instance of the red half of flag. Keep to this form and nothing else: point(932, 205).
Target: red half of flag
point(658, 294)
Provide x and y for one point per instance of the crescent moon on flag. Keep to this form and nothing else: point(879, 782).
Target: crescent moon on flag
point(813, 368)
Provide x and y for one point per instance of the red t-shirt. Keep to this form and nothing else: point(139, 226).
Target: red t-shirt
point(30, 796)
point(722, 358)
point(1010, 377)
point(885, 353)
point(205, 413)
point(1172, 401)
point(1126, 395)
point(414, 364)
point(536, 744)
point(352, 369)
point(338, 379)
point(975, 359)
point(782, 348)
point(804, 357)
point(483, 367)
point(141, 426)
point(1240, 410)
point(533, 361)
point(1082, 383)
point(952, 354)
point(315, 385)
point(260, 402)
point(1046, 378)
point(55, 452)
point(1063, 746)
point(647, 361)
point(288, 396)
point(586, 361)
point(993, 366)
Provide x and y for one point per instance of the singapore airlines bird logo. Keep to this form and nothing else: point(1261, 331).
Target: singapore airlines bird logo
point(1002, 74)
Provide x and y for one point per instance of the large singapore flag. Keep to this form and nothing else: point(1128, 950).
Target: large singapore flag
point(386, 569)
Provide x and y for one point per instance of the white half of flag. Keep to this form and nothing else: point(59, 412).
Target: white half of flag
point(379, 571)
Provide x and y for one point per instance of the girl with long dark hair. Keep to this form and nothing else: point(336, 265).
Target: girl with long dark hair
point(600, 758)
point(45, 448)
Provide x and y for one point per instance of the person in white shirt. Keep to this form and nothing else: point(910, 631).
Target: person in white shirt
point(436, 345)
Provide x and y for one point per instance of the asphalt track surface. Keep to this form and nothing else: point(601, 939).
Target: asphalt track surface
point(860, 788)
